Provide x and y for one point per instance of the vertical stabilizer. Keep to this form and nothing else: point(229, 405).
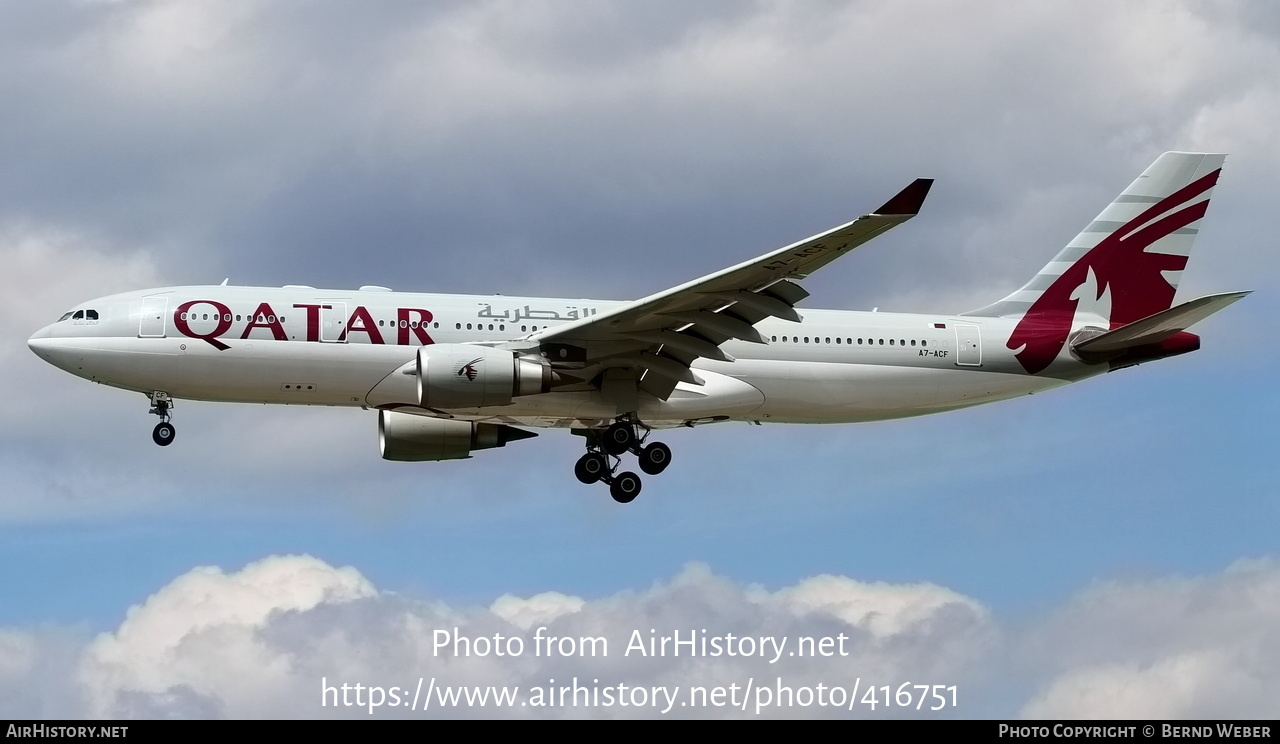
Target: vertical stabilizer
point(1124, 266)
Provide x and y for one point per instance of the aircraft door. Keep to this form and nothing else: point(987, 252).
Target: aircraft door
point(152, 324)
point(333, 318)
point(968, 345)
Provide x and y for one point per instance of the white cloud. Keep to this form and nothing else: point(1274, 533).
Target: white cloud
point(37, 672)
point(539, 609)
point(1174, 648)
point(257, 643)
point(201, 636)
point(883, 609)
point(1197, 685)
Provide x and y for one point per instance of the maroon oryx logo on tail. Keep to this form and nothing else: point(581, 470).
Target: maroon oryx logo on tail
point(469, 370)
point(1121, 263)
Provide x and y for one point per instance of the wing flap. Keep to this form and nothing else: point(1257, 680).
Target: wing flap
point(683, 341)
point(759, 303)
point(722, 323)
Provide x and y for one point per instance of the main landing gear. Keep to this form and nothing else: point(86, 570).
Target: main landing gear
point(161, 405)
point(605, 448)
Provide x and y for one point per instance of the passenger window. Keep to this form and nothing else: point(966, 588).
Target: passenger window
point(924, 343)
point(891, 342)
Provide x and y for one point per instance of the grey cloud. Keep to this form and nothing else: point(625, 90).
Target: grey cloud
point(482, 146)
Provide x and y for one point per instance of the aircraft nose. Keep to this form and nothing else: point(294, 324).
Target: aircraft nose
point(40, 340)
point(52, 350)
point(57, 351)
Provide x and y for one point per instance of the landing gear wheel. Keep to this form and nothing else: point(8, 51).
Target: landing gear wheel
point(163, 434)
point(618, 438)
point(625, 488)
point(655, 458)
point(591, 467)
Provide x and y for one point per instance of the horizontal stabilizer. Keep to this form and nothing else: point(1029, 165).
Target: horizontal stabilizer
point(1156, 328)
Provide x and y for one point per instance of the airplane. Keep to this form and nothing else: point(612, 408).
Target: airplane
point(453, 374)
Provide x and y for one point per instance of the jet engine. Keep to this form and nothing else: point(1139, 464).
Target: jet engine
point(405, 437)
point(463, 376)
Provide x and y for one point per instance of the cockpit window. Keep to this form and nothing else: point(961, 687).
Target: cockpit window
point(90, 314)
point(64, 317)
point(78, 316)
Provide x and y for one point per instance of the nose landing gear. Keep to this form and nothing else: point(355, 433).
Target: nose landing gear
point(161, 405)
point(605, 448)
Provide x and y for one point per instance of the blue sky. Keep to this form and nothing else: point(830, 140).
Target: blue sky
point(611, 151)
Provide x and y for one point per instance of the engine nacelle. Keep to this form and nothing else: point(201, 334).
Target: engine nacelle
point(462, 376)
point(405, 437)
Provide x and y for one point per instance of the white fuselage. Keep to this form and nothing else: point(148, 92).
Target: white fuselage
point(298, 345)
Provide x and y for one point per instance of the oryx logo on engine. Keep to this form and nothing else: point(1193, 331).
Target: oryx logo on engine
point(469, 370)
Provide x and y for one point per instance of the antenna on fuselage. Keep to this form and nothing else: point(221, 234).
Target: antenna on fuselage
point(224, 282)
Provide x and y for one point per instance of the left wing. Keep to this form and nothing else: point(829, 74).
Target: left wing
point(654, 340)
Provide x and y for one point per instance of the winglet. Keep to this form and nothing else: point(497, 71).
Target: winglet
point(907, 201)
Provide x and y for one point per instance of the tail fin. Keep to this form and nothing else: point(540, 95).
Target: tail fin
point(1123, 267)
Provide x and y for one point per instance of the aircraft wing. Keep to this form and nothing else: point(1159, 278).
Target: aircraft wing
point(658, 337)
